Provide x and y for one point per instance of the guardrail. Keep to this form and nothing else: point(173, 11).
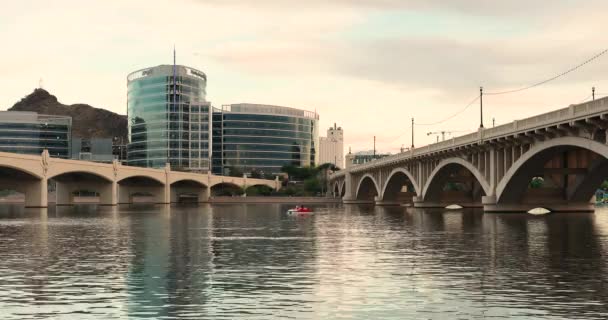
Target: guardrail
point(571, 113)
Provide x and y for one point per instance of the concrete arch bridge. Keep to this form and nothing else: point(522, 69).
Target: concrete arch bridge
point(114, 183)
point(555, 160)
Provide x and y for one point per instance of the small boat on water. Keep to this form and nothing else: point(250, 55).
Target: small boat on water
point(300, 211)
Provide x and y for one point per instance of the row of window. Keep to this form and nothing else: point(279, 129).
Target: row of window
point(34, 126)
point(36, 135)
point(33, 142)
point(263, 162)
point(163, 145)
point(172, 125)
point(266, 125)
point(265, 147)
point(154, 90)
point(264, 155)
point(159, 135)
point(173, 153)
point(266, 118)
point(266, 140)
point(267, 133)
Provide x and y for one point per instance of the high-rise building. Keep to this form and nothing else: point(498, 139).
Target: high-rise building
point(31, 133)
point(331, 148)
point(169, 118)
point(263, 138)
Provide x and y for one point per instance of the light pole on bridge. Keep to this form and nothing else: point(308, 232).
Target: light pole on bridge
point(481, 107)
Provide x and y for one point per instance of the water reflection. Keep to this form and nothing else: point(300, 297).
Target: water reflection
point(255, 262)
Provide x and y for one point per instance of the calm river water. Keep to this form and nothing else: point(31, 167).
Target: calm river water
point(254, 262)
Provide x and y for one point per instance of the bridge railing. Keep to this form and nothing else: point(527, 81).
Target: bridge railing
point(573, 112)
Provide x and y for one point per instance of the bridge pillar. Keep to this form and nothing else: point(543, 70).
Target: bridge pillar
point(348, 194)
point(36, 193)
point(108, 195)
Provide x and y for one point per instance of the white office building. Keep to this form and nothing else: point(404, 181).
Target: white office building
point(331, 148)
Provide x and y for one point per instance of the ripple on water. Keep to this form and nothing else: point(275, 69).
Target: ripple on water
point(253, 262)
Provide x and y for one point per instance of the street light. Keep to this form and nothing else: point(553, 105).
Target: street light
point(481, 107)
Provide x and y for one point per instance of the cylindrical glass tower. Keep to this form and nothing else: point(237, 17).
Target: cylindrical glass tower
point(168, 118)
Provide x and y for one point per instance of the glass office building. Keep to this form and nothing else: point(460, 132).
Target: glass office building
point(263, 138)
point(31, 133)
point(169, 118)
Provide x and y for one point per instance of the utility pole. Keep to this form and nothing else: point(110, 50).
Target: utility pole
point(481, 107)
point(593, 93)
point(412, 148)
point(493, 122)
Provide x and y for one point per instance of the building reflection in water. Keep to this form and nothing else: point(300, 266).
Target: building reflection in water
point(248, 261)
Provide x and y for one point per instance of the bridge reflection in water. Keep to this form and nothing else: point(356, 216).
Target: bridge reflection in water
point(254, 262)
point(555, 160)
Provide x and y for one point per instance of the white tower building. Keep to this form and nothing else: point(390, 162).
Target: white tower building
point(331, 148)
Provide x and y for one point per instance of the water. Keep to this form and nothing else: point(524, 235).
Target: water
point(254, 262)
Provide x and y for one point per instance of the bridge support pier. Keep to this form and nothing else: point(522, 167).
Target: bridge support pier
point(36, 193)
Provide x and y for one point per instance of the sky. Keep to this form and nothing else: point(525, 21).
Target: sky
point(367, 65)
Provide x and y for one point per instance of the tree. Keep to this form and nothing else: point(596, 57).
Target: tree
point(256, 174)
point(234, 171)
point(259, 190)
point(312, 186)
point(537, 182)
point(328, 166)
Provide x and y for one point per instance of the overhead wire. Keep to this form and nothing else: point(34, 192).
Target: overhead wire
point(550, 79)
point(591, 59)
point(451, 116)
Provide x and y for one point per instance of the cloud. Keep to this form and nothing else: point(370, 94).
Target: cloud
point(369, 65)
point(467, 7)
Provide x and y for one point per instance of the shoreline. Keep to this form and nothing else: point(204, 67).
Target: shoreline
point(212, 200)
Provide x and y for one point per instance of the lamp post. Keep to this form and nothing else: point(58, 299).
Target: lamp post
point(481, 107)
point(412, 147)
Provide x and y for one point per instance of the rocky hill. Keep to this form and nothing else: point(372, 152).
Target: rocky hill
point(87, 121)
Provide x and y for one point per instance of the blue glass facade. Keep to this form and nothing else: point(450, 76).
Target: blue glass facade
point(31, 133)
point(169, 118)
point(263, 138)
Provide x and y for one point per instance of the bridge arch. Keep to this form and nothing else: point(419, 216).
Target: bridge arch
point(131, 188)
point(226, 189)
point(367, 189)
point(444, 171)
point(400, 172)
point(514, 183)
point(20, 180)
point(131, 176)
point(188, 190)
point(21, 169)
point(336, 189)
point(392, 189)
